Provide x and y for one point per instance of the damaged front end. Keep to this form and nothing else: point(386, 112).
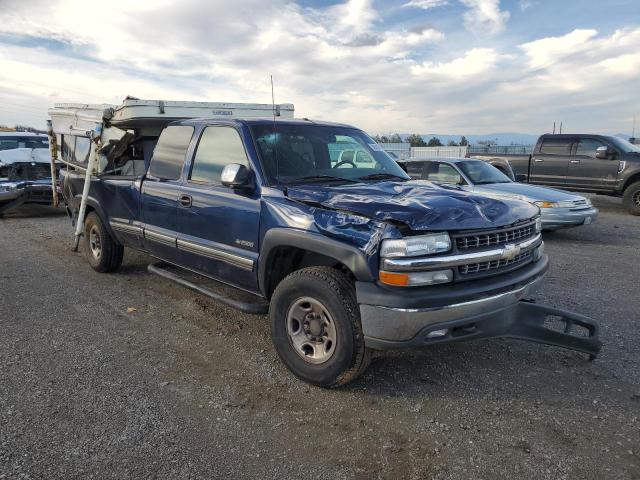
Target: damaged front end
point(485, 272)
point(24, 182)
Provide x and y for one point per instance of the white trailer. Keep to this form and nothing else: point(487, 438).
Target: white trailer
point(103, 139)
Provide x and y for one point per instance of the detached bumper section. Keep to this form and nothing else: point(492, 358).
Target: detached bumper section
point(494, 306)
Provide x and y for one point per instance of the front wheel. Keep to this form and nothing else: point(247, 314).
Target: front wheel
point(103, 253)
point(631, 198)
point(316, 329)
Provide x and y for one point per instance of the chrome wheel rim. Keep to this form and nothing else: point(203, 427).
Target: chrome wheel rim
point(95, 245)
point(311, 330)
point(636, 198)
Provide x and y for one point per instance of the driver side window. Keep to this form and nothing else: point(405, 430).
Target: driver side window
point(587, 147)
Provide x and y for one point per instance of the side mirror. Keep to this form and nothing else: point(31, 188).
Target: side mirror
point(521, 177)
point(235, 175)
point(602, 152)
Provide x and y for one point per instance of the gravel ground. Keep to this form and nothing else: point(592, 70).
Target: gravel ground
point(128, 376)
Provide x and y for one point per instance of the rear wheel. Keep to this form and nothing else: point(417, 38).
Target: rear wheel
point(316, 329)
point(631, 198)
point(103, 253)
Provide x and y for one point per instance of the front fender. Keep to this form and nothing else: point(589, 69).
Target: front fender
point(350, 256)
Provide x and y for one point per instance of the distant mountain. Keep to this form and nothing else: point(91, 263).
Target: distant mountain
point(498, 138)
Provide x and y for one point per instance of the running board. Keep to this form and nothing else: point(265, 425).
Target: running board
point(257, 308)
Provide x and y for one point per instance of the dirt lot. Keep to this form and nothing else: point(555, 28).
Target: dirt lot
point(181, 387)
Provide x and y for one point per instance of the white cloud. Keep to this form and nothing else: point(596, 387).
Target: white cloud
point(338, 63)
point(525, 5)
point(484, 16)
point(553, 49)
point(426, 4)
point(473, 62)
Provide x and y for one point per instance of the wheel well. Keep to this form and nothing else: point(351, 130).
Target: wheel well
point(285, 259)
point(632, 179)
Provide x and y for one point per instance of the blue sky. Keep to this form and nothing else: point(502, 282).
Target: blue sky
point(445, 66)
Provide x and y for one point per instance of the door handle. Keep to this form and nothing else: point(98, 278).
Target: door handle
point(186, 200)
point(538, 159)
point(575, 161)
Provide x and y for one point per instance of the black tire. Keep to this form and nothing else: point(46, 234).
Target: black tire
point(336, 292)
point(631, 198)
point(109, 256)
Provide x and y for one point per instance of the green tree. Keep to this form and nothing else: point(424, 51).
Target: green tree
point(415, 140)
point(434, 142)
point(395, 138)
point(463, 141)
point(452, 143)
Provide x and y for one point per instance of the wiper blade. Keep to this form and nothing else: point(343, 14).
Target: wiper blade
point(380, 176)
point(319, 178)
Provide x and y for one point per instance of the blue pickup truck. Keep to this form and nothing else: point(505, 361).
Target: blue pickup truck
point(329, 236)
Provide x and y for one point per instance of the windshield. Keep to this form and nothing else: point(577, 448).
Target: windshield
point(625, 146)
point(11, 142)
point(322, 154)
point(481, 173)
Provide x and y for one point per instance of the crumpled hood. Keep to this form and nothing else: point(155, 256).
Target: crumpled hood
point(531, 192)
point(419, 204)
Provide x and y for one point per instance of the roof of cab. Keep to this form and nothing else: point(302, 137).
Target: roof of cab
point(259, 121)
point(22, 134)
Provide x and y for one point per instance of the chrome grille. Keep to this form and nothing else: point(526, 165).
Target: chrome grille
point(494, 238)
point(494, 264)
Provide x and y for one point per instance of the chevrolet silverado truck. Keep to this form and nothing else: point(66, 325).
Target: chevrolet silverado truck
point(345, 258)
point(601, 164)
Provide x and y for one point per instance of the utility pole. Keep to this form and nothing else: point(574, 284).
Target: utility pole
point(560, 127)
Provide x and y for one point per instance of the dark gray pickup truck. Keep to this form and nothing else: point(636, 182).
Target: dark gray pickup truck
point(583, 162)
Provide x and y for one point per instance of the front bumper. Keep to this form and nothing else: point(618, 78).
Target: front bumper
point(556, 218)
point(496, 308)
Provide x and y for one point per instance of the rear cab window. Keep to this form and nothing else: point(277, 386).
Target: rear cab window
point(441, 172)
point(556, 146)
point(170, 152)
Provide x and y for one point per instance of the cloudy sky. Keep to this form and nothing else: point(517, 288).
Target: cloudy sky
point(446, 66)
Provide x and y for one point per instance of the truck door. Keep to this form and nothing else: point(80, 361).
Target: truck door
point(218, 227)
point(549, 165)
point(160, 192)
point(586, 172)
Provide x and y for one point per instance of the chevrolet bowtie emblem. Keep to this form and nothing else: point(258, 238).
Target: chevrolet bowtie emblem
point(510, 251)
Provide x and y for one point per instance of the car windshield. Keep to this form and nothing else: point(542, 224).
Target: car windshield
point(297, 154)
point(481, 173)
point(625, 146)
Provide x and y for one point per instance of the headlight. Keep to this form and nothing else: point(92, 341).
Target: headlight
point(7, 188)
point(563, 204)
point(416, 246)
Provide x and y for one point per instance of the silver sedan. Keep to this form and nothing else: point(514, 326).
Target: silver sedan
point(559, 208)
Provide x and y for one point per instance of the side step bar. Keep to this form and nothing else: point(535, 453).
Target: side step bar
point(258, 308)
